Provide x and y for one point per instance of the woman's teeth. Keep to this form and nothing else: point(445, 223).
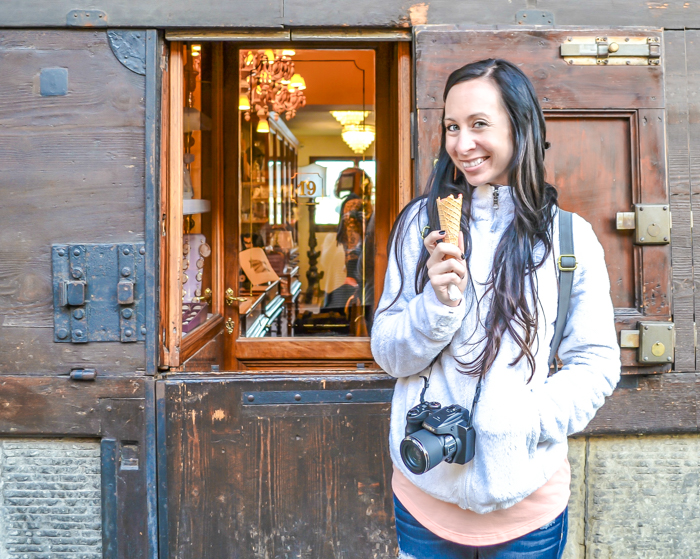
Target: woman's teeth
point(473, 163)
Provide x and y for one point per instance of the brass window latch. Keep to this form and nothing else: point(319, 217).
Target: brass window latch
point(231, 298)
point(655, 341)
point(613, 51)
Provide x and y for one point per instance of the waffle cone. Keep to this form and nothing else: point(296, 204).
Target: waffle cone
point(450, 212)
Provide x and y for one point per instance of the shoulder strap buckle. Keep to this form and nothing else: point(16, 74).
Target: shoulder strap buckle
point(569, 265)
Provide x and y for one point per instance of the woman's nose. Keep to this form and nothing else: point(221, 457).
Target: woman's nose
point(465, 143)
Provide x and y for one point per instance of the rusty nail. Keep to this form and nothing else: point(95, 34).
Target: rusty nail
point(143, 330)
point(251, 398)
point(297, 397)
point(126, 271)
point(142, 250)
point(348, 396)
point(126, 252)
point(109, 408)
point(76, 252)
point(61, 252)
point(128, 332)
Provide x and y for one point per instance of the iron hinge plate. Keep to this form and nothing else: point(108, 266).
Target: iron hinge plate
point(98, 292)
point(288, 397)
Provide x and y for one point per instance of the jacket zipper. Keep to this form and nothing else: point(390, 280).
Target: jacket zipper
point(495, 206)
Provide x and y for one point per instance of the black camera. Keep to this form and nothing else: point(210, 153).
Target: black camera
point(435, 434)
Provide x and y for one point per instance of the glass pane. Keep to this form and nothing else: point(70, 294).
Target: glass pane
point(199, 184)
point(306, 248)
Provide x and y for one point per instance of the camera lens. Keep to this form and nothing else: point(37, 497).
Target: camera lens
point(422, 451)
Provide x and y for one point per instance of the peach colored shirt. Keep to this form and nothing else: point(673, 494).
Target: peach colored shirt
point(466, 527)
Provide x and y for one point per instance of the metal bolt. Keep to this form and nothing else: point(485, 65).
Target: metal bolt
point(128, 332)
point(109, 408)
point(76, 252)
point(646, 359)
point(641, 238)
point(126, 252)
point(143, 330)
point(665, 238)
point(348, 396)
point(665, 207)
point(646, 328)
point(670, 327)
point(142, 250)
point(668, 358)
point(641, 208)
point(77, 273)
point(61, 252)
point(78, 313)
point(62, 334)
point(78, 333)
point(251, 398)
point(126, 271)
point(126, 313)
point(297, 397)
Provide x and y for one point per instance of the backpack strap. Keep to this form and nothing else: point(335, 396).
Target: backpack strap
point(566, 264)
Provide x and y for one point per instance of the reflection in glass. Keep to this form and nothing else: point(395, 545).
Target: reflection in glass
point(306, 258)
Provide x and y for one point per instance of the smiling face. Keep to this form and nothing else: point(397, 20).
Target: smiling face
point(478, 135)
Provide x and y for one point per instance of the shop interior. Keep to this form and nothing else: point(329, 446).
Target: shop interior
point(304, 189)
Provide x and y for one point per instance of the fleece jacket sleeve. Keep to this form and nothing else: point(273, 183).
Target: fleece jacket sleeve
point(410, 329)
point(589, 350)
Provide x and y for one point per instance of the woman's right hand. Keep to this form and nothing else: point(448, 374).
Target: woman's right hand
point(444, 271)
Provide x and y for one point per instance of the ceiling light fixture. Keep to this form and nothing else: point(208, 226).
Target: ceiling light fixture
point(273, 86)
point(350, 117)
point(358, 136)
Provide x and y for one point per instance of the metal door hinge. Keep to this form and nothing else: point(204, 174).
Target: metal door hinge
point(534, 17)
point(98, 292)
point(651, 222)
point(615, 51)
point(655, 341)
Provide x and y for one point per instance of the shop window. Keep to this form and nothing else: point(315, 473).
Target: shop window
point(254, 247)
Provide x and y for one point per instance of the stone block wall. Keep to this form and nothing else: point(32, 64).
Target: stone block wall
point(50, 499)
point(634, 497)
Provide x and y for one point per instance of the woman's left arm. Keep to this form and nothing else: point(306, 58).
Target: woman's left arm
point(589, 350)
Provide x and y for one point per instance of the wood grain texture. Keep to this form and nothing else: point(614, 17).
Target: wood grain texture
point(73, 171)
point(173, 215)
point(208, 355)
point(274, 481)
point(692, 46)
point(678, 157)
point(392, 13)
point(337, 348)
point(442, 49)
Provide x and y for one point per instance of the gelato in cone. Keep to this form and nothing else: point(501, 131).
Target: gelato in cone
point(450, 212)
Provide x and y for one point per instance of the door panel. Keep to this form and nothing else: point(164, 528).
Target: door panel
point(277, 480)
point(605, 124)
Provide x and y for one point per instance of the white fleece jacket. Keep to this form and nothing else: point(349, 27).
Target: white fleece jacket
point(521, 428)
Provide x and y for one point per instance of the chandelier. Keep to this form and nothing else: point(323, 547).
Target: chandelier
point(356, 134)
point(272, 85)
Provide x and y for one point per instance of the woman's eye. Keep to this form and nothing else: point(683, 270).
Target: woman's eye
point(480, 124)
point(451, 128)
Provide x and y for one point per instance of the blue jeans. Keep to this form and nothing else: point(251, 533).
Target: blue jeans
point(417, 542)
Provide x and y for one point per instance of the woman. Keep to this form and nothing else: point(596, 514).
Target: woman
point(511, 499)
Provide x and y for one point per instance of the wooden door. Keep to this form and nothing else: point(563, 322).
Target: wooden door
point(605, 123)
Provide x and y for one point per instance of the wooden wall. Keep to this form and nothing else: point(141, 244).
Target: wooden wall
point(672, 14)
point(71, 171)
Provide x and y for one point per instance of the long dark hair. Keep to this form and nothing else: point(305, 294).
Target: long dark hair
point(534, 200)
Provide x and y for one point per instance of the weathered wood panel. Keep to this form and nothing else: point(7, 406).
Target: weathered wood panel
point(72, 170)
point(392, 13)
point(442, 49)
point(276, 480)
point(692, 49)
point(679, 190)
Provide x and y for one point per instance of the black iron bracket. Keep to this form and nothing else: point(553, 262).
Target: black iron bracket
point(359, 396)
